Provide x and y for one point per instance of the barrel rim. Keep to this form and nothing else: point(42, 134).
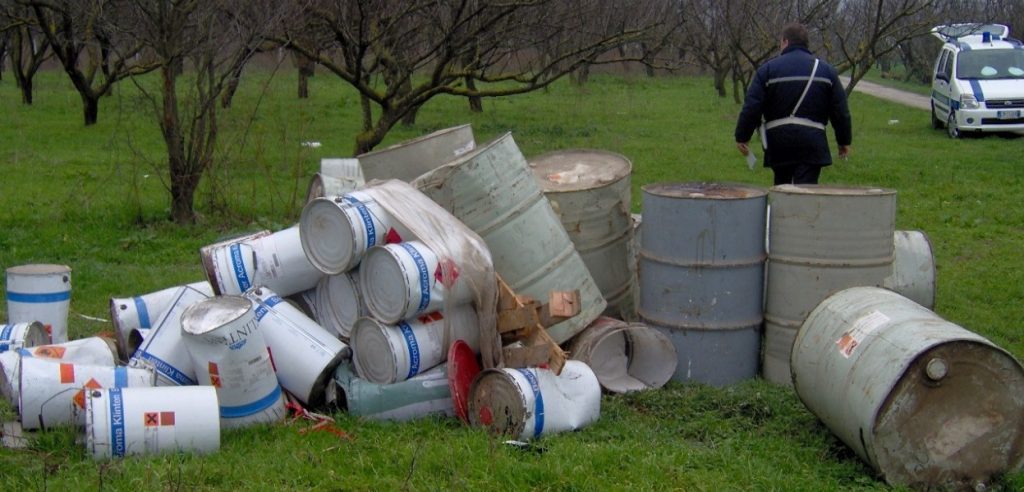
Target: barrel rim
point(704, 190)
point(831, 190)
point(39, 269)
point(548, 186)
point(234, 306)
point(421, 138)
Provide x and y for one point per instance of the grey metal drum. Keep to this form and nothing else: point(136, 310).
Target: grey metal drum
point(589, 190)
point(928, 404)
point(492, 191)
point(409, 159)
point(701, 271)
point(823, 239)
point(913, 268)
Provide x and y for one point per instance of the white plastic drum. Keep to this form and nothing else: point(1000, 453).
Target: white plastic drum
point(17, 335)
point(96, 351)
point(52, 393)
point(40, 293)
point(304, 353)
point(162, 348)
point(140, 312)
point(337, 231)
point(275, 261)
point(528, 403)
point(340, 302)
point(386, 354)
point(229, 353)
point(135, 421)
point(400, 281)
point(625, 356)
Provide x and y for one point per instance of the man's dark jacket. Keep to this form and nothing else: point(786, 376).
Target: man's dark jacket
point(774, 92)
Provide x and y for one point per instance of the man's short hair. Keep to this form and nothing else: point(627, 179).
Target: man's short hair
point(795, 33)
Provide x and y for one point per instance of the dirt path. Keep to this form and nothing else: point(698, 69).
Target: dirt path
point(888, 93)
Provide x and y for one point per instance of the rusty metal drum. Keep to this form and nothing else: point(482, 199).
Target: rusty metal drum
point(927, 403)
point(589, 190)
point(822, 239)
point(409, 159)
point(492, 191)
point(701, 271)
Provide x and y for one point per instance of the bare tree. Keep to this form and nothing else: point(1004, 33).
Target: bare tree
point(210, 39)
point(88, 46)
point(28, 46)
point(398, 54)
point(5, 42)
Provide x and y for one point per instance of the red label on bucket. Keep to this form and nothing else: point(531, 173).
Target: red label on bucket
point(166, 418)
point(151, 419)
point(392, 236)
point(67, 373)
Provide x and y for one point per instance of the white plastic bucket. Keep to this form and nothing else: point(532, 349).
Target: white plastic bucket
point(162, 348)
point(399, 281)
point(134, 421)
point(337, 231)
point(304, 353)
point(387, 354)
point(272, 260)
point(139, 312)
point(625, 356)
point(17, 335)
point(340, 302)
point(229, 353)
point(420, 396)
point(528, 403)
point(96, 351)
point(9, 370)
point(40, 293)
point(52, 393)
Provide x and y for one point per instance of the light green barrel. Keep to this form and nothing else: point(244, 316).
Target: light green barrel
point(925, 402)
point(409, 159)
point(589, 190)
point(822, 239)
point(492, 191)
point(913, 268)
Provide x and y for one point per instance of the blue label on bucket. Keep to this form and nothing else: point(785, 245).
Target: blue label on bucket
point(251, 408)
point(239, 266)
point(40, 298)
point(364, 213)
point(120, 377)
point(538, 402)
point(5, 336)
point(263, 308)
point(421, 266)
point(117, 437)
point(140, 307)
point(414, 348)
point(166, 369)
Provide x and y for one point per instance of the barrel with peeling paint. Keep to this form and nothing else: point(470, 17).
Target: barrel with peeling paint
point(492, 191)
point(589, 190)
point(927, 403)
point(702, 276)
point(913, 268)
point(409, 159)
point(823, 239)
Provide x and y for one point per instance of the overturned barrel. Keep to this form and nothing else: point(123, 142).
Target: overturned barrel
point(913, 268)
point(823, 239)
point(701, 269)
point(925, 402)
point(18, 335)
point(625, 356)
point(409, 159)
point(419, 396)
point(339, 302)
point(275, 261)
point(140, 312)
point(492, 191)
point(589, 190)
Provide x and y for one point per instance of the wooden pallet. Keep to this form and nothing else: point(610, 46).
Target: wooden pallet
point(523, 319)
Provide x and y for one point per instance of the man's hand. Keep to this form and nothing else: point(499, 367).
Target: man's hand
point(844, 152)
point(744, 149)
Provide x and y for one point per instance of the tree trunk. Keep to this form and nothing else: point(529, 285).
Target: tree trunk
point(91, 106)
point(303, 85)
point(183, 179)
point(25, 84)
point(720, 81)
point(307, 68)
point(476, 103)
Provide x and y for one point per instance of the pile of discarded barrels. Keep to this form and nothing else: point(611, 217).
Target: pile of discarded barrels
point(442, 277)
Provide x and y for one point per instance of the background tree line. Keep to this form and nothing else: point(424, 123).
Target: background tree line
point(399, 54)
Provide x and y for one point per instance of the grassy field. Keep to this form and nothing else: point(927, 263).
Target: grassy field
point(94, 199)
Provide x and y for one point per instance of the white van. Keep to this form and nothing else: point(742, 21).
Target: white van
point(978, 81)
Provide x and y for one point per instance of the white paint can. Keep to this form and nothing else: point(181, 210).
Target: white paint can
point(387, 354)
point(340, 302)
point(420, 396)
point(18, 335)
point(625, 356)
point(229, 353)
point(96, 351)
point(403, 280)
point(42, 293)
point(52, 393)
point(140, 312)
point(337, 231)
point(304, 353)
point(272, 260)
point(134, 421)
point(10, 370)
point(528, 403)
point(162, 348)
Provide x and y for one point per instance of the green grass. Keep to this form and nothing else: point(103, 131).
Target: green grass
point(92, 198)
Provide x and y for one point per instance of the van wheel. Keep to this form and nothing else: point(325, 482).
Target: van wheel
point(951, 128)
point(936, 122)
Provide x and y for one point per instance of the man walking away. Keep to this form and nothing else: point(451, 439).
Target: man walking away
point(795, 94)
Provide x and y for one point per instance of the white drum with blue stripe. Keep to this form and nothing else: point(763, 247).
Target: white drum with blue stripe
point(18, 335)
point(162, 348)
point(401, 281)
point(41, 293)
point(141, 312)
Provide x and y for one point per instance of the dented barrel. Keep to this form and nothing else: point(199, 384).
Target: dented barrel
point(927, 403)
